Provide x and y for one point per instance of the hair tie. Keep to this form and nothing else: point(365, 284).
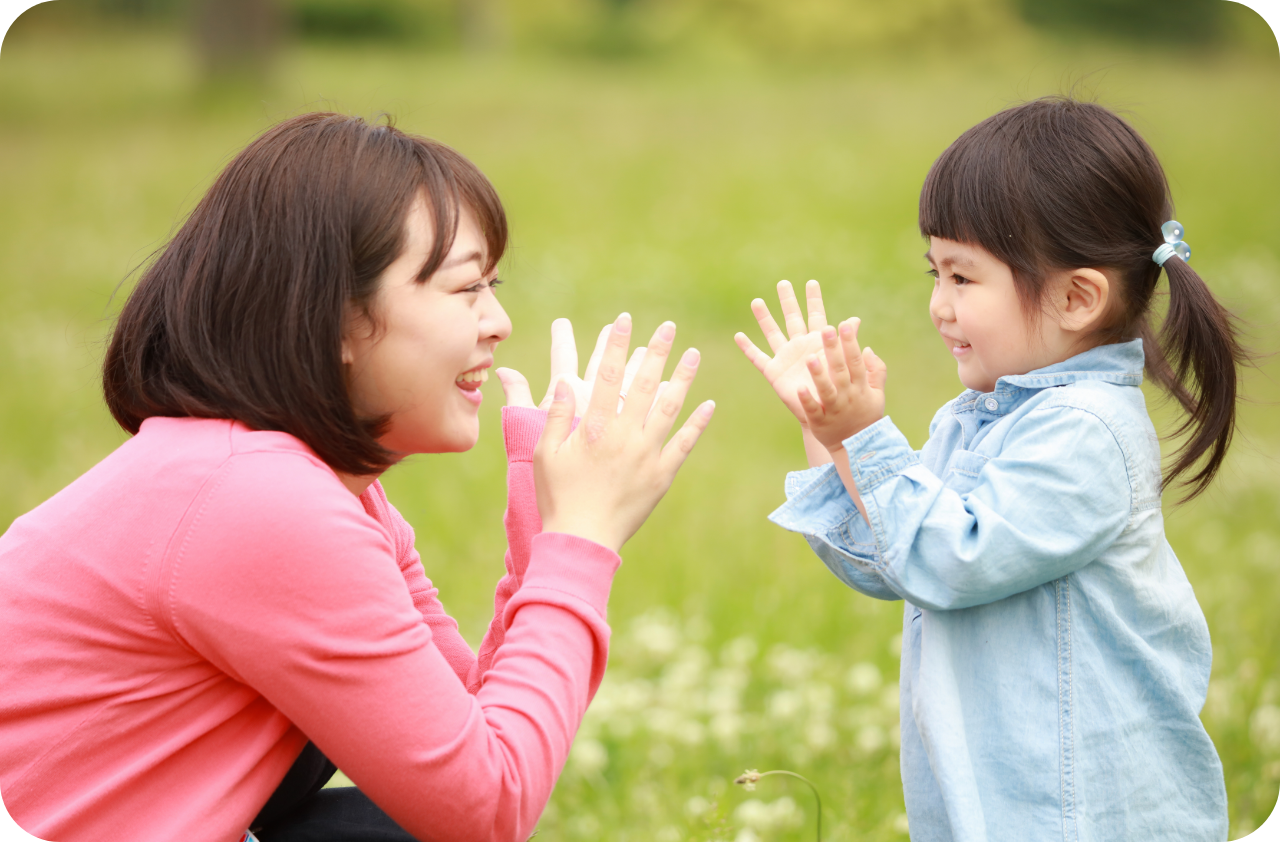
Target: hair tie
point(1172, 244)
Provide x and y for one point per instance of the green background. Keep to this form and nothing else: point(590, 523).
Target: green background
point(674, 160)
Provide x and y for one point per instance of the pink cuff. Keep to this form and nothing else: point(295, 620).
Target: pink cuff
point(572, 565)
point(521, 429)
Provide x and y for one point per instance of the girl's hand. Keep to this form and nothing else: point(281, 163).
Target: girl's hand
point(848, 393)
point(786, 371)
point(564, 366)
point(601, 481)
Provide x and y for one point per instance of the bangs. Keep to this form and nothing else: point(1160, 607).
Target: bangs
point(974, 193)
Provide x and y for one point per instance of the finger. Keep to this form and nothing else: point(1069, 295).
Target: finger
point(754, 355)
point(515, 388)
point(834, 352)
point(772, 333)
point(813, 302)
point(852, 353)
point(644, 384)
point(791, 315)
point(877, 370)
point(822, 383)
point(608, 383)
point(667, 406)
point(633, 365)
point(594, 361)
point(564, 351)
point(657, 399)
point(559, 417)
point(812, 407)
point(678, 449)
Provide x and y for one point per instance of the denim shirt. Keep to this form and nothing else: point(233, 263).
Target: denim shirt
point(1054, 657)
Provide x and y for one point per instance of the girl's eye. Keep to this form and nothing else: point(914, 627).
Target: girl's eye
point(933, 273)
point(960, 280)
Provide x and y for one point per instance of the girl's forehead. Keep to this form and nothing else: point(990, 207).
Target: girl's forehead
point(950, 253)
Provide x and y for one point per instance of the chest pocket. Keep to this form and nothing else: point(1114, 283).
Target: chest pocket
point(961, 474)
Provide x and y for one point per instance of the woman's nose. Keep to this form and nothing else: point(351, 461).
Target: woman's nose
point(495, 324)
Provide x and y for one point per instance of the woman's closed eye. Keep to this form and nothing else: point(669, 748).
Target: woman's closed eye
point(479, 286)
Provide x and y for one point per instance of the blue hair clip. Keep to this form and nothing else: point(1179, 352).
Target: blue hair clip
point(1172, 244)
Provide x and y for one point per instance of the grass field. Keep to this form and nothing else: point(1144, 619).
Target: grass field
point(673, 189)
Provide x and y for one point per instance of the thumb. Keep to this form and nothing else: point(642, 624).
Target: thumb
point(877, 371)
point(559, 416)
point(515, 389)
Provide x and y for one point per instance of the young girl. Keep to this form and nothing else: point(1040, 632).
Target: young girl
point(1054, 658)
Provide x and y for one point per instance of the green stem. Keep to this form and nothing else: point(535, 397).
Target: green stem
point(816, 796)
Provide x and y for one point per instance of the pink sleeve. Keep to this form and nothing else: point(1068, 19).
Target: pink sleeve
point(279, 578)
point(521, 429)
point(426, 597)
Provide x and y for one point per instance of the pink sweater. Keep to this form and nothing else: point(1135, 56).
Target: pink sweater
point(178, 618)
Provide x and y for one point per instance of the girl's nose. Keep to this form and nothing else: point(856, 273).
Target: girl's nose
point(940, 309)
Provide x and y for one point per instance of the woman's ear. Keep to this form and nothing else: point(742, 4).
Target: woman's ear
point(1084, 296)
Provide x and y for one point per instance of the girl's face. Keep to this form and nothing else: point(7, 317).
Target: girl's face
point(432, 345)
point(976, 309)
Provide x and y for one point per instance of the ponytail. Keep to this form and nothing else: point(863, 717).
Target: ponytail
point(1194, 359)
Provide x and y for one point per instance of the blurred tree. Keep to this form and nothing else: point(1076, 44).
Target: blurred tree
point(1145, 20)
point(236, 38)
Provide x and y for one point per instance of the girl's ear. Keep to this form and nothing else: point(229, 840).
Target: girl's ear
point(1084, 297)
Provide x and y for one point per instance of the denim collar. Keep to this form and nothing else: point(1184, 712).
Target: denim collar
point(1120, 363)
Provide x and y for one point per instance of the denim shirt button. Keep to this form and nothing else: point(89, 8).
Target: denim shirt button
point(992, 404)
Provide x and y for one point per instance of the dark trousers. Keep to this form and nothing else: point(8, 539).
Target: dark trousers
point(300, 810)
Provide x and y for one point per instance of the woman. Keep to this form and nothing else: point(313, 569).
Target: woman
point(227, 605)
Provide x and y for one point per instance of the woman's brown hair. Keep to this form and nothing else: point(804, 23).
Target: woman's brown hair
point(241, 315)
point(1061, 184)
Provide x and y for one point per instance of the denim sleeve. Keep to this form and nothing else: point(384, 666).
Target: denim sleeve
point(819, 508)
point(1055, 496)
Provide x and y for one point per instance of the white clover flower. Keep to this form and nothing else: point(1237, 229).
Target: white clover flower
point(697, 806)
point(900, 823)
point(1264, 727)
point(890, 698)
point(864, 679)
point(765, 817)
point(784, 705)
point(895, 646)
point(726, 727)
point(792, 666)
point(746, 835)
point(739, 652)
point(819, 735)
point(588, 757)
point(871, 738)
point(670, 833)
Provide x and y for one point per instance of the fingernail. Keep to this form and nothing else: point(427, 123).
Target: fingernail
point(623, 323)
point(667, 331)
point(828, 333)
point(562, 391)
point(846, 329)
point(708, 408)
point(690, 357)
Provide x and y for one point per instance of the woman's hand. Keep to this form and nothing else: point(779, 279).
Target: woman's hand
point(564, 366)
point(601, 481)
point(786, 371)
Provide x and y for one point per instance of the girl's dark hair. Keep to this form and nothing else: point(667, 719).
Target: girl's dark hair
point(241, 316)
point(1060, 184)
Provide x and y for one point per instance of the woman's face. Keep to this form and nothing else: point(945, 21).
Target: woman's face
point(433, 342)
